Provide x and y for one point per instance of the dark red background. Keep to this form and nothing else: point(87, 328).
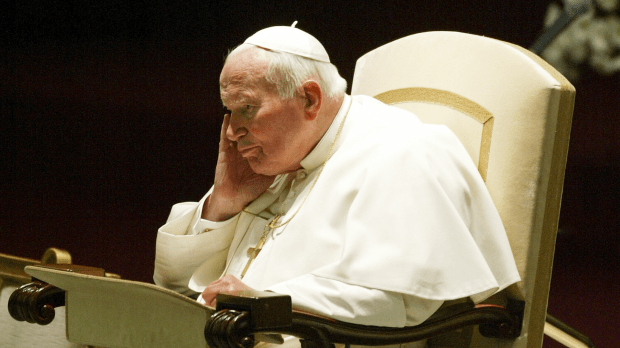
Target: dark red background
point(110, 114)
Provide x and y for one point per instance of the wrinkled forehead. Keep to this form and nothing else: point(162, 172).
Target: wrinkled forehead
point(240, 77)
point(247, 65)
point(243, 77)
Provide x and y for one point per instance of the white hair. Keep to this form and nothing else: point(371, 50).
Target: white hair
point(289, 71)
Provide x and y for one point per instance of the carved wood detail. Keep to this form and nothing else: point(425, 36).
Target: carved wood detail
point(229, 328)
point(35, 302)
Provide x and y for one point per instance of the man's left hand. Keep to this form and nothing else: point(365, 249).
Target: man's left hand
point(227, 284)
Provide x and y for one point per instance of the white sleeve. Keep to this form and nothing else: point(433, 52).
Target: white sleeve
point(185, 242)
point(356, 304)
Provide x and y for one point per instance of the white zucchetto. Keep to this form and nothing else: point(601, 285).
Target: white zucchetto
point(289, 40)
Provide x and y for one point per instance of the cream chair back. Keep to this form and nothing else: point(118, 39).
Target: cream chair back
point(512, 111)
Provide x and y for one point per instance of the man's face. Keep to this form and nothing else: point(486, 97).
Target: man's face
point(267, 131)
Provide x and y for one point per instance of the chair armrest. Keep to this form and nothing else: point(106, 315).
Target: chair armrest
point(35, 302)
point(232, 325)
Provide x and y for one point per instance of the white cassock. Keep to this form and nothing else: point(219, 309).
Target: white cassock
point(398, 221)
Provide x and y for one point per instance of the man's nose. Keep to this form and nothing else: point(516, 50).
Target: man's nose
point(235, 129)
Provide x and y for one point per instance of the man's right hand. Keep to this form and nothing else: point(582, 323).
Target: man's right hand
point(236, 184)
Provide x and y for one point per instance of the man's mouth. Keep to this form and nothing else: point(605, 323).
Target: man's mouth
point(250, 151)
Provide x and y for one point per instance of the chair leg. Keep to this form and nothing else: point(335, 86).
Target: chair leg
point(566, 335)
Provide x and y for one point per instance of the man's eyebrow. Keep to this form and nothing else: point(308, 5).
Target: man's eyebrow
point(237, 100)
point(241, 97)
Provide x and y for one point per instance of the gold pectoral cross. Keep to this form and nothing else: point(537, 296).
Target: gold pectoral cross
point(253, 252)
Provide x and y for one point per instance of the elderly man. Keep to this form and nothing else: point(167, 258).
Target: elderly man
point(355, 209)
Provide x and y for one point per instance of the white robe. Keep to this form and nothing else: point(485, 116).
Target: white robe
point(398, 222)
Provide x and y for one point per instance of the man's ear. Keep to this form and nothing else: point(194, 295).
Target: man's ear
point(314, 98)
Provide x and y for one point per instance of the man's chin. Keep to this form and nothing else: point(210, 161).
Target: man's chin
point(258, 167)
point(262, 168)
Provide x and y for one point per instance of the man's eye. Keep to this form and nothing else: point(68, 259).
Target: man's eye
point(248, 107)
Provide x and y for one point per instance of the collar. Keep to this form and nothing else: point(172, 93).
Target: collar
point(319, 154)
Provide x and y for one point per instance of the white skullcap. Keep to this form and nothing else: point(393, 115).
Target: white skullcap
point(289, 40)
